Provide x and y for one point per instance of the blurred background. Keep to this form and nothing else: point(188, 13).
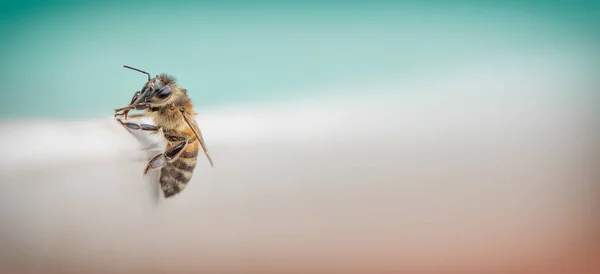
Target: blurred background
point(349, 136)
point(231, 52)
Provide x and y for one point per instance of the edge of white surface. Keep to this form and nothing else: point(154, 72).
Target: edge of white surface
point(479, 94)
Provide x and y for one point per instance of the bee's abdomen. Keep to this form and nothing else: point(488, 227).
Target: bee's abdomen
point(175, 176)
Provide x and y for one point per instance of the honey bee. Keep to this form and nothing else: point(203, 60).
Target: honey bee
point(171, 109)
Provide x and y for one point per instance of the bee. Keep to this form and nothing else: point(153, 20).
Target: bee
point(172, 111)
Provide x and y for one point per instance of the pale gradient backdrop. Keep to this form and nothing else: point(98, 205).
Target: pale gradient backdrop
point(352, 137)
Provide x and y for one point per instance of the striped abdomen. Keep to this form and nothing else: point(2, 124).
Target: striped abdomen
point(175, 176)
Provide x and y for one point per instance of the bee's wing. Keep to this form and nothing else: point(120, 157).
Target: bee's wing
point(194, 126)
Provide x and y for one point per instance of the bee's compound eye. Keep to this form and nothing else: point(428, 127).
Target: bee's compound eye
point(164, 92)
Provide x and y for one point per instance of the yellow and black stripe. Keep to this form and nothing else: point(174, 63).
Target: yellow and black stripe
point(175, 176)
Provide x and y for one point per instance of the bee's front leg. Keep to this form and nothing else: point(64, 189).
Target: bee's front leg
point(124, 110)
point(166, 157)
point(129, 108)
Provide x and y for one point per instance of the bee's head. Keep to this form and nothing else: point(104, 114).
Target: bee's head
point(156, 91)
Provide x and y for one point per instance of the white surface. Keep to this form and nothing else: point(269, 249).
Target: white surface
point(351, 184)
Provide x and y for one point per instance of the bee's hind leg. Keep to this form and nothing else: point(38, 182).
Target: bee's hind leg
point(166, 157)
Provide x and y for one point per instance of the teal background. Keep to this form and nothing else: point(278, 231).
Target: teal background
point(63, 59)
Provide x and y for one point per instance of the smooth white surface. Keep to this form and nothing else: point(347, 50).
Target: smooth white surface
point(434, 177)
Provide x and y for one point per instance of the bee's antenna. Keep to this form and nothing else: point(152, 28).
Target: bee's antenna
point(149, 78)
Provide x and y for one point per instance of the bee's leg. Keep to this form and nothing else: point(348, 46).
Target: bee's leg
point(166, 157)
point(144, 127)
point(125, 110)
point(134, 126)
point(135, 116)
